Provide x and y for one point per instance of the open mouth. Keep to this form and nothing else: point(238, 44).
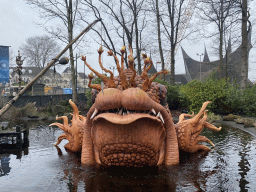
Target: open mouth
point(124, 137)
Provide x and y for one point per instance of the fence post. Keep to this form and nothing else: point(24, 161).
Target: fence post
point(18, 138)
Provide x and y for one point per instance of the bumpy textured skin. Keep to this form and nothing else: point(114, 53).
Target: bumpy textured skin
point(130, 124)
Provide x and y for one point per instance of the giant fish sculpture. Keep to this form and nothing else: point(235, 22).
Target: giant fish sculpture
point(129, 123)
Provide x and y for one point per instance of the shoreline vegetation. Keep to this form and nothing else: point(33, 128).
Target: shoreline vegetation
point(228, 103)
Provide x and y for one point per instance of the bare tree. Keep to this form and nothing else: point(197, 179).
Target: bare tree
point(39, 50)
point(171, 22)
point(155, 8)
point(245, 30)
point(125, 19)
point(223, 14)
point(65, 11)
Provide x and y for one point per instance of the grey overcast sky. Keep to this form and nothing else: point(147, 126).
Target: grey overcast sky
point(17, 23)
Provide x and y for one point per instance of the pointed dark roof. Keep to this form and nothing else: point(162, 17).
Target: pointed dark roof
point(185, 55)
point(206, 57)
point(152, 70)
point(67, 70)
point(194, 67)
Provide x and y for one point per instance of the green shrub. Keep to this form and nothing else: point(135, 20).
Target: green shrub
point(211, 117)
point(249, 101)
point(212, 90)
point(175, 98)
point(231, 117)
point(88, 95)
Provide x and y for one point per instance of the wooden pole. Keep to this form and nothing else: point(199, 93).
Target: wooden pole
point(9, 104)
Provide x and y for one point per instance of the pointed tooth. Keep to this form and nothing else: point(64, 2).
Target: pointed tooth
point(160, 117)
point(153, 111)
point(128, 112)
point(120, 111)
point(94, 113)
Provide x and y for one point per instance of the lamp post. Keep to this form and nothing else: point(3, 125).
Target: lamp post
point(200, 63)
point(18, 69)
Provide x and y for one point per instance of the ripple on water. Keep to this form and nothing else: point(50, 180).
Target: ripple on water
point(230, 166)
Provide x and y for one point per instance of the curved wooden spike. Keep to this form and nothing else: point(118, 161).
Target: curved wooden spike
point(201, 123)
point(154, 76)
point(122, 58)
point(130, 50)
point(131, 66)
point(150, 65)
point(103, 77)
point(144, 75)
point(211, 127)
point(75, 109)
point(200, 147)
point(65, 124)
point(201, 138)
point(124, 83)
point(82, 118)
point(111, 82)
point(60, 138)
point(183, 115)
point(58, 125)
point(93, 86)
point(110, 53)
point(201, 112)
point(132, 80)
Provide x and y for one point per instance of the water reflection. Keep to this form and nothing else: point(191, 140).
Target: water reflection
point(230, 166)
point(4, 168)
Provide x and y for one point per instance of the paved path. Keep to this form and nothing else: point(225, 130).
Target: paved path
point(251, 130)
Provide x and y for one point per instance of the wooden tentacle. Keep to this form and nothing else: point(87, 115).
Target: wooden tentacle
point(117, 62)
point(93, 86)
point(111, 82)
point(61, 126)
point(131, 66)
point(82, 118)
point(60, 138)
point(124, 83)
point(201, 112)
point(150, 65)
point(144, 75)
point(201, 138)
point(65, 126)
point(122, 60)
point(132, 80)
point(200, 124)
point(154, 76)
point(75, 109)
point(103, 77)
point(183, 115)
point(211, 127)
point(198, 147)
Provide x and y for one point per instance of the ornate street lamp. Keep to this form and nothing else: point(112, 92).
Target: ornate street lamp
point(18, 69)
point(200, 63)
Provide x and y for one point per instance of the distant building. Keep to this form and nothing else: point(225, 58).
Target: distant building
point(231, 64)
point(52, 81)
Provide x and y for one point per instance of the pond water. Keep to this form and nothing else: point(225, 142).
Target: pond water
point(230, 166)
